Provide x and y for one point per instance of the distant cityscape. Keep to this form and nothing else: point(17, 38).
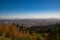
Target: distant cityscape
point(31, 22)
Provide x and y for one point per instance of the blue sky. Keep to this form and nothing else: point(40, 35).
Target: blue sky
point(29, 9)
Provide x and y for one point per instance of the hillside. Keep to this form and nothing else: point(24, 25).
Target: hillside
point(16, 32)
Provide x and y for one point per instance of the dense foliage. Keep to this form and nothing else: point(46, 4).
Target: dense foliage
point(15, 32)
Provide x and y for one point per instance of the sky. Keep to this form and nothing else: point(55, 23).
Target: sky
point(17, 9)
